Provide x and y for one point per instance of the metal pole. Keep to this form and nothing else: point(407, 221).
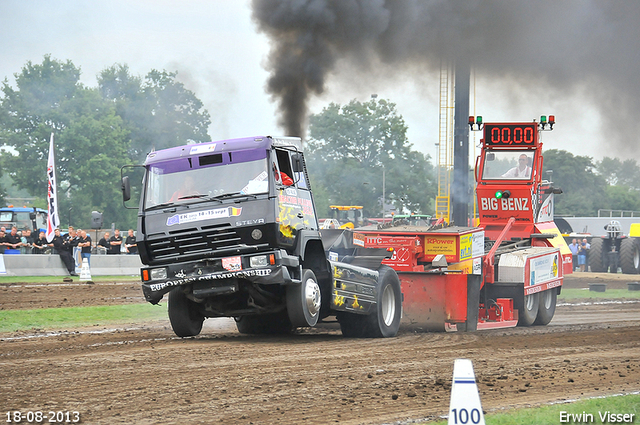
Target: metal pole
point(460, 188)
point(384, 203)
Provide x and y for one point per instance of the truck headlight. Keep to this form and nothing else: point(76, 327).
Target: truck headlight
point(258, 261)
point(157, 274)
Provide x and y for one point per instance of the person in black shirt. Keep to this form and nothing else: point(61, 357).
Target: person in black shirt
point(3, 241)
point(115, 241)
point(41, 246)
point(12, 239)
point(104, 242)
point(84, 242)
point(130, 243)
point(61, 243)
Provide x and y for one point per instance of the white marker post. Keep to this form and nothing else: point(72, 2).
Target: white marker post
point(465, 407)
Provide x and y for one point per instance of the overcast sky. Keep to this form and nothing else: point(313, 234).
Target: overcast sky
point(219, 54)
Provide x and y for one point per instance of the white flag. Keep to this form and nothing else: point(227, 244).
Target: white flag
point(52, 218)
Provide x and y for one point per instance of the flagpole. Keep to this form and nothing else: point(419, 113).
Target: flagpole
point(53, 220)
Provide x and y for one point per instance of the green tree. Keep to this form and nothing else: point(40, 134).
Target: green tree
point(90, 141)
point(351, 147)
point(159, 111)
point(584, 191)
point(617, 172)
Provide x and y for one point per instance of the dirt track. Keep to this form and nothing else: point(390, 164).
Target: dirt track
point(146, 375)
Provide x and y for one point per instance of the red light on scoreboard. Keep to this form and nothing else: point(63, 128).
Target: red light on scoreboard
point(511, 135)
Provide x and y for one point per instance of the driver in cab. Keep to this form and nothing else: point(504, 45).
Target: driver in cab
point(521, 171)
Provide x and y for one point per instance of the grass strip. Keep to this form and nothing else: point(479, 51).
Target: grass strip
point(58, 279)
point(577, 293)
point(559, 413)
point(61, 318)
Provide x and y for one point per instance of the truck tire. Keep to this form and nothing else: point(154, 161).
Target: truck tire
point(597, 257)
point(184, 316)
point(385, 321)
point(352, 325)
point(529, 312)
point(547, 307)
point(264, 324)
point(629, 256)
point(304, 300)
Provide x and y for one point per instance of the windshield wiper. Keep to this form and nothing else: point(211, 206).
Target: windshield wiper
point(231, 195)
point(165, 204)
point(192, 196)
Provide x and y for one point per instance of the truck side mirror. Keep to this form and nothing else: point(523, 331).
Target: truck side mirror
point(126, 189)
point(296, 162)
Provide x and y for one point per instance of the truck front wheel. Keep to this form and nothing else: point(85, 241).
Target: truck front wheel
point(183, 314)
point(304, 300)
point(529, 311)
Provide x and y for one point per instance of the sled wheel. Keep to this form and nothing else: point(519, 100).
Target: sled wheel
point(529, 311)
point(184, 316)
point(629, 256)
point(304, 300)
point(547, 306)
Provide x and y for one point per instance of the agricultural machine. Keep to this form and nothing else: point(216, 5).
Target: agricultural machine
point(506, 271)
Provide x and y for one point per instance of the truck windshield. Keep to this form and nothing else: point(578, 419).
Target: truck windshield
point(168, 184)
point(507, 165)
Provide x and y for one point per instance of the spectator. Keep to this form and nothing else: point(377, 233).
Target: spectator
point(130, 243)
point(3, 241)
point(84, 242)
point(115, 243)
point(574, 247)
point(27, 242)
point(582, 255)
point(41, 246)
point(62, 245)
point(12, 239)
point(104, 242)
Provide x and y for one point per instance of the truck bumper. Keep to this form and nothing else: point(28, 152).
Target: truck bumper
point(222, 273)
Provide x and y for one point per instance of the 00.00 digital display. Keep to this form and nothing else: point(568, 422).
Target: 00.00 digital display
point(510, 134)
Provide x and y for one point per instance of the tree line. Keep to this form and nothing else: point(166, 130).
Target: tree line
point(354, 152)
point(96, 131)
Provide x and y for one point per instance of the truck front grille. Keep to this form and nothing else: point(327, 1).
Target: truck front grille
point(191, 243)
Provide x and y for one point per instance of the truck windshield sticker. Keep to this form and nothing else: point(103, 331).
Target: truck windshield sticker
point(203, 215)
point(257, 185)
point(197, 149)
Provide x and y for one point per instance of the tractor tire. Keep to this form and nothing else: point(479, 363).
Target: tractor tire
point(629, 256)
point(547, 307)
point(597, 262)
point(264, 324)
point(304, 300)
point(184, 316)
point(529, 312)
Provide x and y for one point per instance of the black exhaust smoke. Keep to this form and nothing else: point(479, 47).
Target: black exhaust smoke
point(567, 48)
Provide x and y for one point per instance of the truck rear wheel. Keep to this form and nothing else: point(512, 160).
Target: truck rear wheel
point(304, 300)
point(629, 256)
point(547, 306)
point(264, 324)
point(184, 316)
point(529, 311)
point(384, 322)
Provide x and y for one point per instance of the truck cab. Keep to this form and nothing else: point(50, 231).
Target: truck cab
point(229, 229)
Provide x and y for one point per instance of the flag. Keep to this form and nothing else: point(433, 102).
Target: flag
point(52, 218)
